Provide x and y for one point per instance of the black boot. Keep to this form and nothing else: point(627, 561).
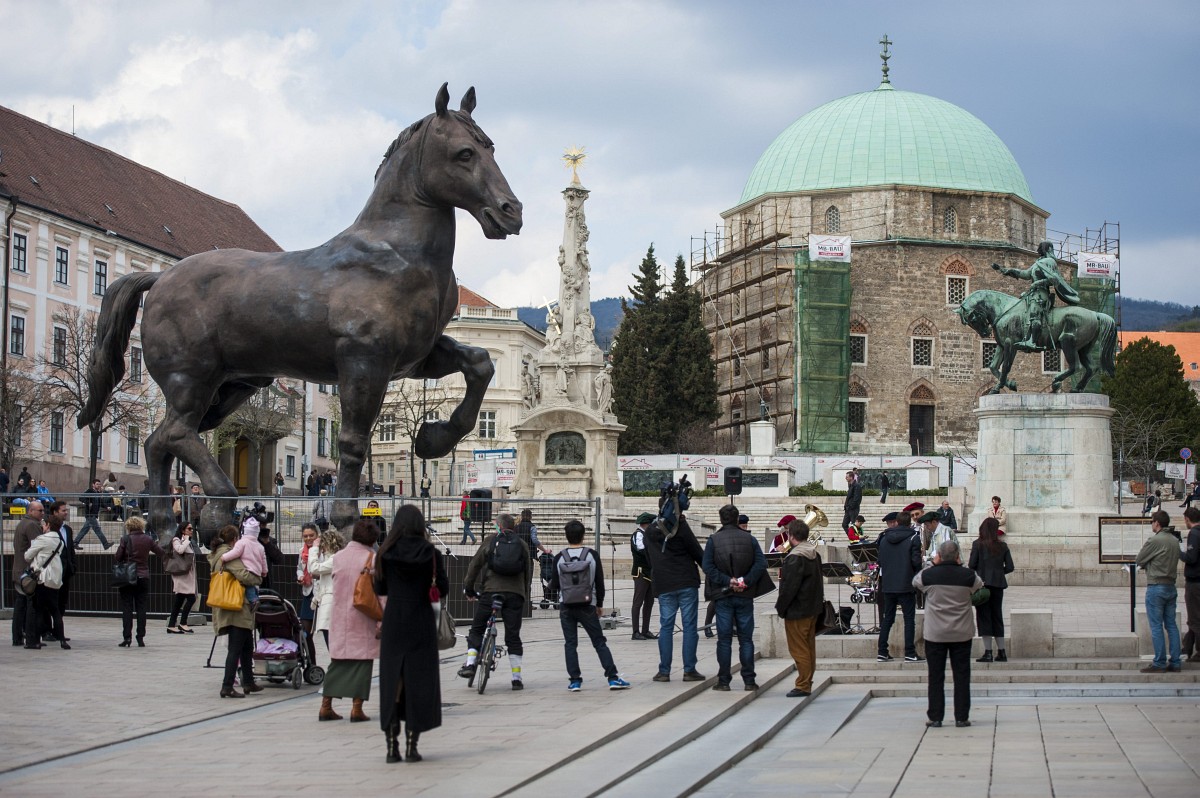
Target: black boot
point(410, 746)
point(393, 743)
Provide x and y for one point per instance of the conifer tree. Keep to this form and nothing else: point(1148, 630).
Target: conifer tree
point(694, 375)
point(639, 360)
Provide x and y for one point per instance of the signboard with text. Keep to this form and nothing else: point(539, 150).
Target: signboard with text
point(829, 248)
point(1098, 265)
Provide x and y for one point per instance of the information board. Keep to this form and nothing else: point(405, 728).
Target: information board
point(1121, 538)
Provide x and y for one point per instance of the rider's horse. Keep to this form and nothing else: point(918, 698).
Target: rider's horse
point(1087, 339)
point(366, 307)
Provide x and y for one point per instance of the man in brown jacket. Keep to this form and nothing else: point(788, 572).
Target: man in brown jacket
point(26, 531)
point(800, 602)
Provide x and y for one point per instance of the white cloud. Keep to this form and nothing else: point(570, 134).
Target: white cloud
point(1165, 269)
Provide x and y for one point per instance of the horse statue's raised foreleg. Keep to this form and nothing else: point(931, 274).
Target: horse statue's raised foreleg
point(1001, 364)
point(1066, 343)
point(361, 386)
point(437, 438)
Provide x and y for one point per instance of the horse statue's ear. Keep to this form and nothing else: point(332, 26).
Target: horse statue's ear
point(443, 100)
point(468, 102)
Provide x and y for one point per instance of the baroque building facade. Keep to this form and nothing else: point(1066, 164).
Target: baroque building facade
point(930, 198)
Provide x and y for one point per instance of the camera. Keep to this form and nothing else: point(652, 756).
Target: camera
point(259, 513)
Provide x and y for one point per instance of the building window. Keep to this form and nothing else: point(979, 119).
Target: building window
point(766, 360)
point(58, 349)
point(737, 366)
point(289, 466)
point(487, 424)
point(20, 253)
point(61, 262)
point(135, 364)
point(333, 389)
point(387, 428)
point(56, 432)
point(495, 373)
point(334, 454)
point(989, 352)
point(949, 221)
point(956, 290)
point(101, 278)
point(737, 426)
point(322, 437)
point(391, 472)
point(922, 351)
point(132, 445)
point(833, 220)
point(858, 349)
point(322, 388)
point(16, 336)
point(858, 416)
point(1051, 361)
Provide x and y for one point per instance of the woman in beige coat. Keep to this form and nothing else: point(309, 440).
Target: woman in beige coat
point(320, 567)
point(237, 624)
point(183, 586)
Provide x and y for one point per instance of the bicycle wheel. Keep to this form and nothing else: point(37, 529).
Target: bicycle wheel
point(485, 662)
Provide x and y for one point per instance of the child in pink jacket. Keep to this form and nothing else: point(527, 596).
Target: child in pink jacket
point(251, 552)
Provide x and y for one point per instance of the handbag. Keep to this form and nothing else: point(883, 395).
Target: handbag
point(365, 599)
point(124, 573)
point(435, 595)
point(225, 592)
point(981, 596)
point(177, 564)
point(828, 619)
point(446, 639)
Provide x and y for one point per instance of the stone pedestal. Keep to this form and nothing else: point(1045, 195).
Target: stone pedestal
point(1049, 459)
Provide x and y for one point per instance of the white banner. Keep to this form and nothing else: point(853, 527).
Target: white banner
point(829, 248)
point(1175, 471)
point(1097, 265)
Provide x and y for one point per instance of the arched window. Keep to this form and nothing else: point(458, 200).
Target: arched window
point(950, 220)
point(833, 220)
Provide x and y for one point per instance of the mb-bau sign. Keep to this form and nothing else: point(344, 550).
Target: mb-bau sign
point(829, 248)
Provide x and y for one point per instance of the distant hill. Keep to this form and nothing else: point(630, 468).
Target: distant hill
point(607, 313)
point(1147, 315)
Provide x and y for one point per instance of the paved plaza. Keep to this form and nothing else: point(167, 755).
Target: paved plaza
point(101, 720)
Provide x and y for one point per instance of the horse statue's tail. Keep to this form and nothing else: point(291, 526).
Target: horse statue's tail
point(1107, 336)
point(118, 312)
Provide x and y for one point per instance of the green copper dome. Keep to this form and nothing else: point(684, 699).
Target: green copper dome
point(885, 137)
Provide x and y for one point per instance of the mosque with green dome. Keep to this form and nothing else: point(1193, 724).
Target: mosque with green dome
point(868, 356)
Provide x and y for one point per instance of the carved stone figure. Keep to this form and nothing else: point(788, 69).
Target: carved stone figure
point(222, 324)
point(1044, 278)
point(604, 390)
point(528, 385)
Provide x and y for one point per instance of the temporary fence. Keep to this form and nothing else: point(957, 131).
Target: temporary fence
point(91, 594)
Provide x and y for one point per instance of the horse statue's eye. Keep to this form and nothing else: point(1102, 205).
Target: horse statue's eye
point(465, 155)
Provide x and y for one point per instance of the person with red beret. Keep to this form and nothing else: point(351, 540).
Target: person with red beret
point(779, 542)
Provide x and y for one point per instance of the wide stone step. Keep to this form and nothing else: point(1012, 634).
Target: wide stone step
point(639, 744)
point(1064, 664)
point(980, 674)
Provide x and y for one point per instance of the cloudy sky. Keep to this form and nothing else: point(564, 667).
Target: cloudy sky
point(286, 107)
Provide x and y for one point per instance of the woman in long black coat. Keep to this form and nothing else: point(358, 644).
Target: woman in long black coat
point(409, 685)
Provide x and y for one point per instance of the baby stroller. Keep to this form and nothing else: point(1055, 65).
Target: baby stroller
point(280, 654)
point(549, 596)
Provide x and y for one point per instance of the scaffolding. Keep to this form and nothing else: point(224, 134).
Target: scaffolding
point(822, 399)
point(1101, 295)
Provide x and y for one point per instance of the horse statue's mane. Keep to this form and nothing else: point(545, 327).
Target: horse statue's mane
point(410, 131)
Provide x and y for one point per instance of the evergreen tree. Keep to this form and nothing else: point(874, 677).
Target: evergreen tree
point(640, 398)
point(694, 375)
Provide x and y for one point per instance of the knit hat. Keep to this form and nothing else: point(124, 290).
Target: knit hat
point(644, 518)
point(787, 519)
point(250, 527)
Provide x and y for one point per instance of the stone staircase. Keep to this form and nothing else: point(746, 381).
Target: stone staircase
point(694, 739)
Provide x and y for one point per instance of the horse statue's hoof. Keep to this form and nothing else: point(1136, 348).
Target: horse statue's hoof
point(216, 513)
point(434, 440)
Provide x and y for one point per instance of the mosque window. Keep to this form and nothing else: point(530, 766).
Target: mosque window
point(857, 417)
point(766, 360)
point(956, 290)
point(833, 220)
point(858, 349)
point(737, 366)
point(950, 220)
point(1051, 361)
point(989, 351)
point(737, 426)
point(922, 351)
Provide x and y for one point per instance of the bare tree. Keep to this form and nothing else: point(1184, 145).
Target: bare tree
point(266, 417)
point(1142, 439)
point(25, 405)
point(407, 404)
point(65, 370)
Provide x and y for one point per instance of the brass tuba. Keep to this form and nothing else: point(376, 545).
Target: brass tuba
point(816, 519)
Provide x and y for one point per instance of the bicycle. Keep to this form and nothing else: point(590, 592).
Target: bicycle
point(489, 651)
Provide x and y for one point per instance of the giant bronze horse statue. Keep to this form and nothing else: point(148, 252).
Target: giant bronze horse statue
point(366, 307)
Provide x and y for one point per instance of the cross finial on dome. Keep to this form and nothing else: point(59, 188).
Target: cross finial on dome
point(885, 56)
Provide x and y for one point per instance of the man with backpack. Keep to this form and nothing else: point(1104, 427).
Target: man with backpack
point(499, 569)
point(579, 579)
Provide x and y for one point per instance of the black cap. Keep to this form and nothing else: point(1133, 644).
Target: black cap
point(929, 516)
point(891, 516)
point(743, 519)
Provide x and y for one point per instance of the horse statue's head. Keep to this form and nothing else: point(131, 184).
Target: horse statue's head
point(977, 313)
point(455, 166)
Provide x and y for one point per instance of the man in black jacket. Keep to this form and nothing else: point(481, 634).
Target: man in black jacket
point(94, 499)
point(1191, 589)
point(676, 583)
point(853, 499)
point(800, 603)
point(733, 564)
point(899, 562)
point(643, 602)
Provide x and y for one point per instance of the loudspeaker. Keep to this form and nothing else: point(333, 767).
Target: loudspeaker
point(733, 481)
point(481, 511)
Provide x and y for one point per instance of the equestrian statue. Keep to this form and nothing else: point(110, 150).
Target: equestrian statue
point(368, 306)
point(1031, 323)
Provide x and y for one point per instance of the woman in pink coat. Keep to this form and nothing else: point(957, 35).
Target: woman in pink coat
point(353, 637)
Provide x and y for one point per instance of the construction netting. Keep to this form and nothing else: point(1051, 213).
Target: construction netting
point(823, 351)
